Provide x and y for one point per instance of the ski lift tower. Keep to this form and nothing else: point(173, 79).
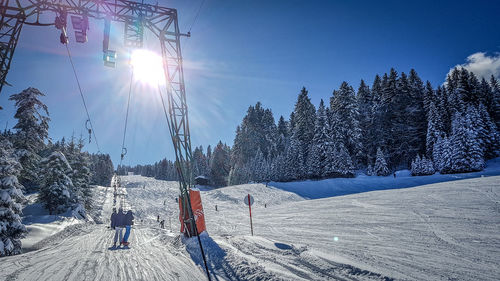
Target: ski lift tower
point(161, 21)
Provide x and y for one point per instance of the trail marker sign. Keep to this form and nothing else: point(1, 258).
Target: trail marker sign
point(249, 201)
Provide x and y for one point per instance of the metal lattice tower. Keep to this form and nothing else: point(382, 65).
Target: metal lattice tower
point(161, 21)
point(11, 22)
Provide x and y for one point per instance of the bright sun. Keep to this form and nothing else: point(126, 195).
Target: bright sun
point(147, 67)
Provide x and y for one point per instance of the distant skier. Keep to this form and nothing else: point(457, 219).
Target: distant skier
point(162, 224)
point(216, 208)
point(118, 222)
point(158, 218)
point(129, 221)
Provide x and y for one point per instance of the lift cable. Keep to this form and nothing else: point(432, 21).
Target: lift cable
point(197, 15)
point(124, 150)
point(188, 201)
point(83, 98)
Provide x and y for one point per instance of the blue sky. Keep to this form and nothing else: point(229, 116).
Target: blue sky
point(242, 52)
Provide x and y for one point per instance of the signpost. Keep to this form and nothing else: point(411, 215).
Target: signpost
point(249, 201)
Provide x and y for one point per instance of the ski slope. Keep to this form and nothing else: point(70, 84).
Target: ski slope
point(441, 231)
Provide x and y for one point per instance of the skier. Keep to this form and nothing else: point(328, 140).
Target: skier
point(129, 221)
point(162, 224)
point(119, 224)
point(158, 218)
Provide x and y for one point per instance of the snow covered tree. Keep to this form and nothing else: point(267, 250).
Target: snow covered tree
point(365, 105)
point(256, 132)
point(80, 176)
point(102, 169)
point(11, 196)
point(31, 132)
point(294, 168)
point(380, 168)
point(318, 154)
point(220, 165)
point(341, 164)
point(432, 128)
point(304, 116)
point(443, 155)
point(55, 192)
point(467, 154)
point(422, 166)
point(486, 131)
point(199, 162)
point(415, 110)
point(369, 170)
point(344, 120)
point(495, 101)
point(282, 136)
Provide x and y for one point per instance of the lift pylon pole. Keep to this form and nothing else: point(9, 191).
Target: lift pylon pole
point(11, 23)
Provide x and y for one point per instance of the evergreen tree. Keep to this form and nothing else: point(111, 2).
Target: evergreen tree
point(488, 133)
point(11, 196)
point(199, 162)
point(220, 165)
point(31, 131)
point(80, 163)
point(495, 101)
point(318, 154)
point(365, 105)
point(304, 116)
point(294, 168)
point(467, 154)
point(380, 168)
point(415, 110)
point(55, 192)
point(256, 132)
point(102, 169)
point(422, 166)
point(344, 120)
point(342, 165)
point(377, 116)
point(282, 136)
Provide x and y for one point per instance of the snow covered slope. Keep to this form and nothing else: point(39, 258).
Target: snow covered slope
point(362, 183)
point(444, 231)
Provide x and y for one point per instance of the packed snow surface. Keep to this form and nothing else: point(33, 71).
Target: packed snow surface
point(441, 231)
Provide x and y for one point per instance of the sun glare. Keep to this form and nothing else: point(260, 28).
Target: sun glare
point(147, 67)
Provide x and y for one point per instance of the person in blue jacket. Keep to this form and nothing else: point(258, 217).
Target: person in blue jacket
point(129, 221)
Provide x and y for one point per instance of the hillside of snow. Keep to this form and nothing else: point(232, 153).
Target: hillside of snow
point(361, 183)
point(442, 231)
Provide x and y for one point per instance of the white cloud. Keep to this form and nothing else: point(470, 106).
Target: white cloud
point(482, 65)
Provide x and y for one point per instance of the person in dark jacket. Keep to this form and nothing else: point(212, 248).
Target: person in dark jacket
point(119, 224)
point(113, 219)
point(129, 221)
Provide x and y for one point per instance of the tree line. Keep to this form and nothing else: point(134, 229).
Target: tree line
point(61, 172)
point(399, 122)
point(214, 165)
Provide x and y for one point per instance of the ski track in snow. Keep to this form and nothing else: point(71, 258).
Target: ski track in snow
point(443, 231)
